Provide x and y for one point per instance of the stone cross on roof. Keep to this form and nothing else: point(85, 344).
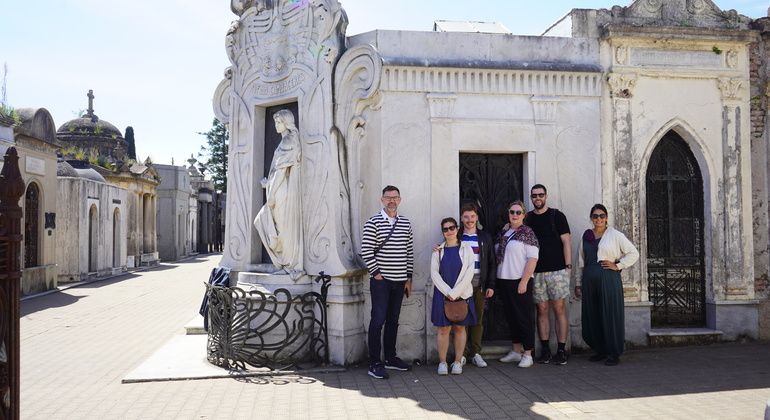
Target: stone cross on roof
point(90, 112)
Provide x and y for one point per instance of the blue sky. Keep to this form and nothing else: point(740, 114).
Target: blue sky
point(154, 64)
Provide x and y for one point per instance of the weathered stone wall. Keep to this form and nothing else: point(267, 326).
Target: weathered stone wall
point(759, 76)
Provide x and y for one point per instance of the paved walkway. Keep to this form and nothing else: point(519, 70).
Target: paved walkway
point(78, 344)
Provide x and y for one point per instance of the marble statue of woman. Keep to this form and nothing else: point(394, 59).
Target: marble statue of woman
point(279, 222)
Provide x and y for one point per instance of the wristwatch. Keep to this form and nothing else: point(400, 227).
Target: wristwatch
point(569, 266)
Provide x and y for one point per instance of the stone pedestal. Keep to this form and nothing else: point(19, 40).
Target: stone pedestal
point(735, 318)
point(638, 322)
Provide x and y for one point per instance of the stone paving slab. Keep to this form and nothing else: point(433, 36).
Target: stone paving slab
point(184, 358)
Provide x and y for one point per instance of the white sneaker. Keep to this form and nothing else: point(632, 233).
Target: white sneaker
point(512, 356)
point(526, 361)
point(478, 361)
point(443, 369)
point(457, 368)
point(463, 361)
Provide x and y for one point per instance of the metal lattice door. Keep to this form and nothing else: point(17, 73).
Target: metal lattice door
point(491, 181)
point(675, 265)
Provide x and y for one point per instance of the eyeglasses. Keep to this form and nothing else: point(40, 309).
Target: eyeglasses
point(537, 195)
point(516, 212)
point(448, 228)
point(389, 198)
point(598, 216)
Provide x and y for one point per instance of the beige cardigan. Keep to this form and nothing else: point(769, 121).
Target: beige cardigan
point(463, 287)
point(613, 246)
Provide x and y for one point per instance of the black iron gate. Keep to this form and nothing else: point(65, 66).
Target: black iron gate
point(275, 330)
point(11, 190)
point(675, 255)
point(492, 181)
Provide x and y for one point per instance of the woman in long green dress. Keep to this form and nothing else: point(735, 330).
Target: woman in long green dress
point(604, 253)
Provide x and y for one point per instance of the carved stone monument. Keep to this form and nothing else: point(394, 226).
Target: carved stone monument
point(285, 51)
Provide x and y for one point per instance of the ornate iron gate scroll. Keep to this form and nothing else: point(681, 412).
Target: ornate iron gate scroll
point(277, 330)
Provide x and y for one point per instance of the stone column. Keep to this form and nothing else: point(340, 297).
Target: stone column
point(738, 281)
point(624, 214)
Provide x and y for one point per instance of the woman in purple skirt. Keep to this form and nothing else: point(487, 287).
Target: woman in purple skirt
point(451, 270)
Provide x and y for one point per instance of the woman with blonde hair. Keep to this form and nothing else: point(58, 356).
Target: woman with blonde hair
point(517, 253)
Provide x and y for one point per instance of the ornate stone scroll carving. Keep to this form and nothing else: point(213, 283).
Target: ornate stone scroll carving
point(652, 6)
point(357, 89)
point(730, 88)
point(622, 85)
point(697, 6)
point(283, 51)
point(731, 59)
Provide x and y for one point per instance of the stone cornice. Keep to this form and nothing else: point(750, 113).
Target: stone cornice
point(497, 82)
point(679, 33)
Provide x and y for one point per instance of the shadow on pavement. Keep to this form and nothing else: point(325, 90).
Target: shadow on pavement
point(54, 300)
point(277, 380)
point(544, 391)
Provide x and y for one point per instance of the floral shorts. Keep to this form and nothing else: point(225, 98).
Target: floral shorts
point(551, 285)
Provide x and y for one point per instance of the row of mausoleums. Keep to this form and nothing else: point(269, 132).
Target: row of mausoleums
point(84, 219)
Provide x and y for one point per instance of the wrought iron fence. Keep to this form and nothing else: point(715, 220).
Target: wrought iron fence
point(274, 330)
point(11, 189)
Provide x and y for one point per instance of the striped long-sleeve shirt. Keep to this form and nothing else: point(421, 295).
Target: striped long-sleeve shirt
point(395, 259)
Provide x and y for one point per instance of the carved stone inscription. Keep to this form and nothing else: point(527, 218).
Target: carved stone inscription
point(651, 57)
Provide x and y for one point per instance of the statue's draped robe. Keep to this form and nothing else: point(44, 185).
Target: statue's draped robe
point(279, 222)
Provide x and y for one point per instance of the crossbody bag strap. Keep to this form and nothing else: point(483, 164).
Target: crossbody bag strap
point(392, 228)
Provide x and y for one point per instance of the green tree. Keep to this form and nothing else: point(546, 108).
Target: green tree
point(212, 159)
point(131, 143)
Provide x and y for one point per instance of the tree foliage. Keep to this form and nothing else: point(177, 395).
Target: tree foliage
point(212, 159)
point(131, 143)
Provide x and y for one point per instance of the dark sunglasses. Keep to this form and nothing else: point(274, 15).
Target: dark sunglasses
point(598, 216)
point(516, 212)
point(537, 195)
point(448, 228)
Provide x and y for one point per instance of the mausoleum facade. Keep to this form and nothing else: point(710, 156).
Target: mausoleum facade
point(645, 108)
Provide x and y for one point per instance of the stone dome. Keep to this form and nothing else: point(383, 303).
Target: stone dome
point(78, 169)
point(89, 132)
point(88, 128)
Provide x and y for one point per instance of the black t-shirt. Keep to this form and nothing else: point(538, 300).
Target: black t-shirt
point(548, 228)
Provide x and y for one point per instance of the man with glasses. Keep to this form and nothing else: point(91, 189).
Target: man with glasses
point(552, 274)
point(387, 248)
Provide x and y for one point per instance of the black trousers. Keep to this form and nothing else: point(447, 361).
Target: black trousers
point(386, 308)
point(519, 311)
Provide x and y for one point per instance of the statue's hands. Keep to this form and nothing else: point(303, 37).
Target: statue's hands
point(263, 181)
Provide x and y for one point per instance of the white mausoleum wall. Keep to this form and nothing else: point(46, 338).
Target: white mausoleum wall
point(429, 115)
point(72, 250)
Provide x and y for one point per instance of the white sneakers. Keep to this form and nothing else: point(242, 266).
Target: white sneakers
point(512, 356)
point(477, 361)
point(526, 361)
point(457, 368)
point(443, 369)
